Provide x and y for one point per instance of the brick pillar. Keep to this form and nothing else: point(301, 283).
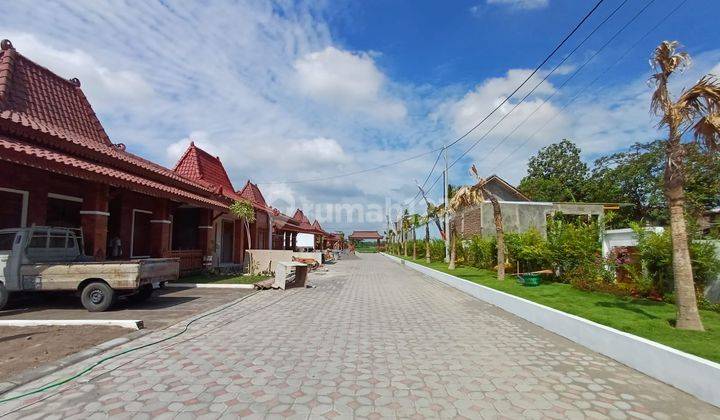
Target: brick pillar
point(94, 220)
point(160, 229)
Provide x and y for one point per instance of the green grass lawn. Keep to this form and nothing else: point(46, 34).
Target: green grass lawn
point(222, 279)
point(365, 247)
point(645, 318)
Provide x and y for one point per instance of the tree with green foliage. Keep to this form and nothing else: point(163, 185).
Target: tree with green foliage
point(414, 222)
point(697, 108)
point(556, 173)
point(244, 210)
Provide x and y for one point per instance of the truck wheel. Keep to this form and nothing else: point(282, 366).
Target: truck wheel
point(144, 293)
point(97, 297)
point(3, 296)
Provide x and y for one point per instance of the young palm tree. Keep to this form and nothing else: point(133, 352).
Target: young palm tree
point(464, 198)
point(697, 108)
point(405, 226)
point(432, 212)
point(497, 218)
point(414, 224)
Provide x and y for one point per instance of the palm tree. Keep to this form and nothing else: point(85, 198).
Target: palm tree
point(432, 212)
point(463, 198)
point(497, 218)
point(405, 225)
point(415, 221)
point(697, 108)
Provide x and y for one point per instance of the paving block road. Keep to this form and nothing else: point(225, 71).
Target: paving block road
point(371, 340)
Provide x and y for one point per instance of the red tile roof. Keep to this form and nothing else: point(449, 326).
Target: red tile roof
point(200, 166)
point(318, 228)
point(365, 234)
point(304, 222)
point(251, 192)
point(33, 93)
point(282, 221)
point(38, 105)
point(13, 150)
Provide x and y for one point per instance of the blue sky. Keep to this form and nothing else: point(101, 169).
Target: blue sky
point(295, 90)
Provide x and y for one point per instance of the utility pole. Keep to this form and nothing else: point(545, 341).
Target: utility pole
point(447, 207)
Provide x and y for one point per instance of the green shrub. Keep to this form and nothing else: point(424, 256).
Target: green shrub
point(656, 254)
point(437, 250)
point(482, 252)
point(529, 249)
point(572, 244)
point(599, 276)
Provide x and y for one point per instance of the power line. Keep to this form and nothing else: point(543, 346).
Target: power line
point(565, 82)
point(540, 83)
point(437, 159)
point(557, 66)
point(537, 68)
point(577, 95)
point(361, 171)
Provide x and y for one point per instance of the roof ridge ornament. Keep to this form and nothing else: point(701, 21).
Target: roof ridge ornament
point(5, 45)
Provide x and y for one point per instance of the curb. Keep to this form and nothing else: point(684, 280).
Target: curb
point(34, 374)
point(124, 323)
point(696, 376)
point(208, 286)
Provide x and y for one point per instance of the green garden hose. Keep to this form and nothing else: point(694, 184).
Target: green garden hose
point(105, 359)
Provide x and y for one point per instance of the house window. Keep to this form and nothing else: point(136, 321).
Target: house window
point(13, 208)
point(140, 230)
point(63, 211)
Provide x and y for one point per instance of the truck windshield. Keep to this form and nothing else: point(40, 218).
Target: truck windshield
point(6, 241)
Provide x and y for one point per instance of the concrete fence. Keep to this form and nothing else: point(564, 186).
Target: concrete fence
point(692, 374)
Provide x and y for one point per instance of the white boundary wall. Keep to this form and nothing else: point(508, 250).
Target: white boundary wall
point(692, 374)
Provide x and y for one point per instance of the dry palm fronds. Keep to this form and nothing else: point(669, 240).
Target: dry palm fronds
point(707, 131)
point(701, 99)
point(665, 61)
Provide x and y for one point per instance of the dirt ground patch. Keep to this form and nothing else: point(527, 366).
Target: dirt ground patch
point(23, 348)
point(28, 347)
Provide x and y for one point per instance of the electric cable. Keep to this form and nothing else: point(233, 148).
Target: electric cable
point(60, 382)
point(577, 95)
point(537, 68)
point(565, 82)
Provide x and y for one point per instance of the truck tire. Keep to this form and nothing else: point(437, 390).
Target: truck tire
point(4, 294)
point(144, 293)
point(97, 296)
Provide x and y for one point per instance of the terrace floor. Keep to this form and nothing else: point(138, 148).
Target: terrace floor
point(372, 339)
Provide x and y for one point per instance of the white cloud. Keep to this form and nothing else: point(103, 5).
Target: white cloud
point(604, 119)
point(521, 4)
point(350, 81)
point(103, 86)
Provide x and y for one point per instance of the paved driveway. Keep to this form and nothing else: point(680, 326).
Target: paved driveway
point(166, 307)
point(371, 340)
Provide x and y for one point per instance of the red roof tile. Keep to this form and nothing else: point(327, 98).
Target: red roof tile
point(303, 221)
point(43, 107)
point(365, 234)
point(13, 150)
point(41, 97)
point(199, 165)
point(251, 192)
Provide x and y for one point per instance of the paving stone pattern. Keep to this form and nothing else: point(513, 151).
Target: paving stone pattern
point(372, 340)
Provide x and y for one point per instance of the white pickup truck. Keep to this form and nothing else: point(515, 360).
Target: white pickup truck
point(39, 259)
